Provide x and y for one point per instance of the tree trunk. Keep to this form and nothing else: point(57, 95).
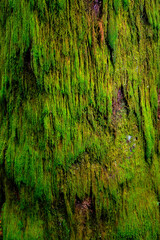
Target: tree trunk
point(80, 119)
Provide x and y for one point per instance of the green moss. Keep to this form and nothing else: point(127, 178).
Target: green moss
point(117, 4)
point(125, 4)
point(73, 88)
point(112, 30)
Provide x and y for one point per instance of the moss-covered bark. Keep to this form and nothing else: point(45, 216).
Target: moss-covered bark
point(79, 128)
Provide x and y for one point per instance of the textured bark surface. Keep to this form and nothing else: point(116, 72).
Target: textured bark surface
point(80, 119)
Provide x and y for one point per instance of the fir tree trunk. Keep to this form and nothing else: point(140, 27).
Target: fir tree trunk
point(80, 119)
